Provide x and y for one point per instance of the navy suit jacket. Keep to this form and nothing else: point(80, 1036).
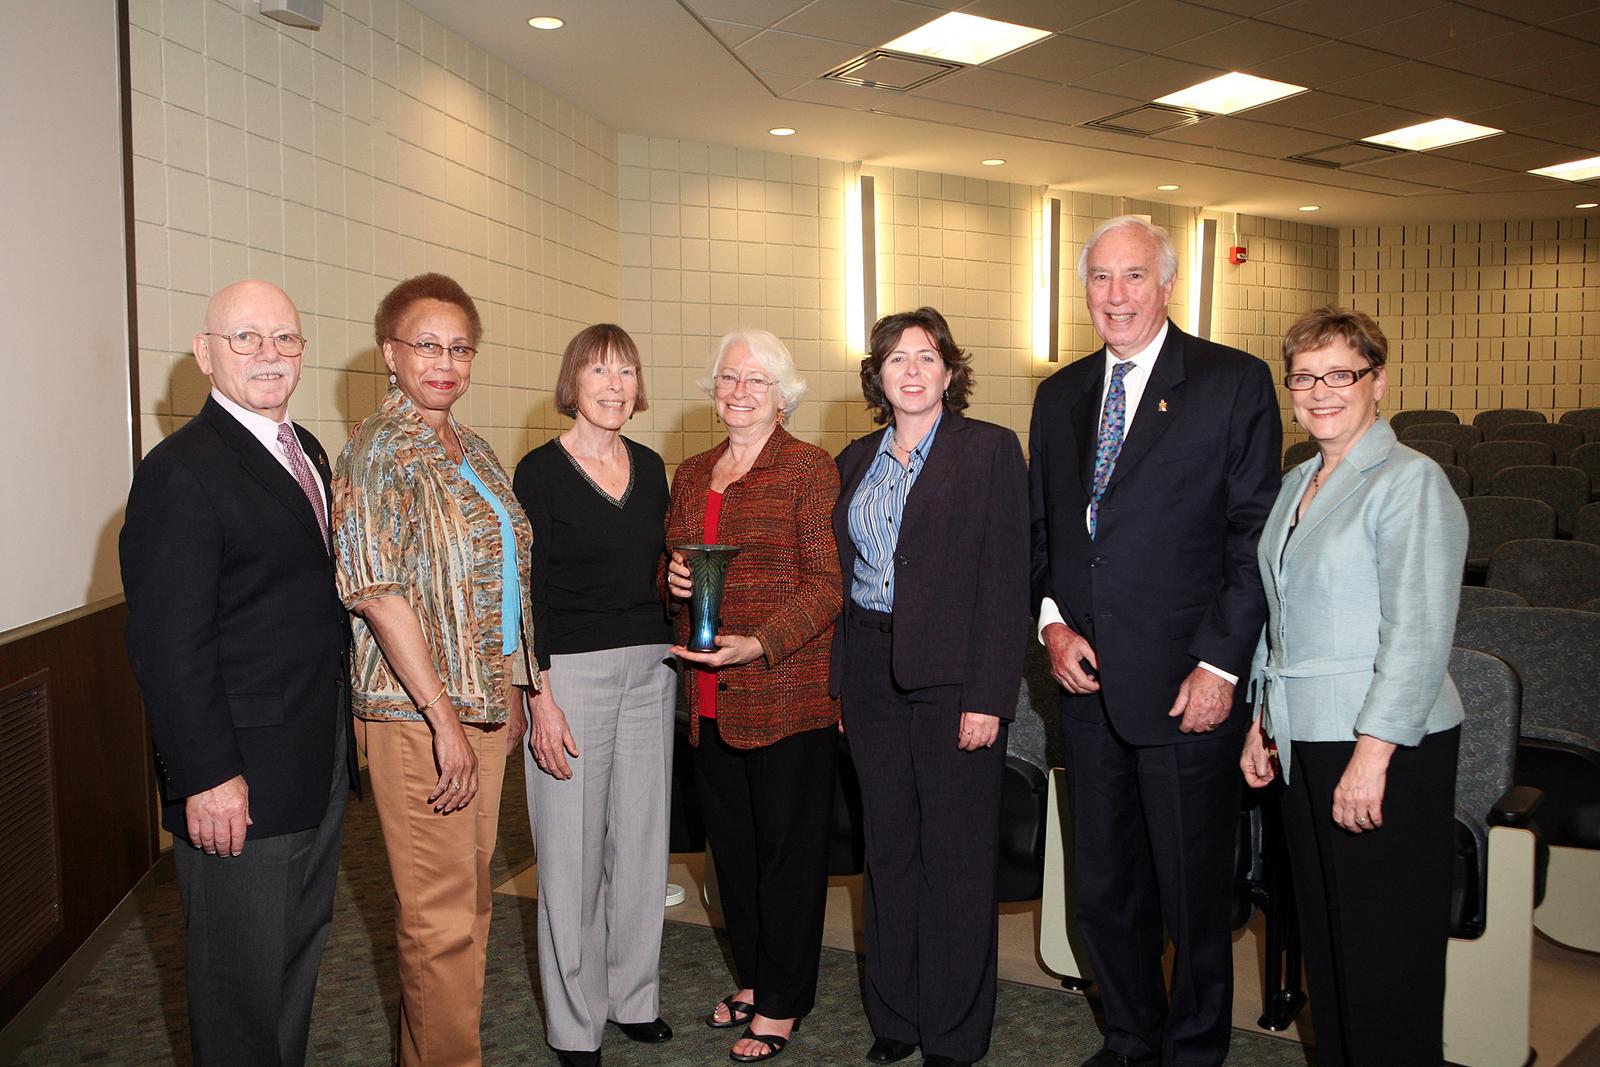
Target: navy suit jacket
point(1171, 578)
point(236, 633)
point(960, 579)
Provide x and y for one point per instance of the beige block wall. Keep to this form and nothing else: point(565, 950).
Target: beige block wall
point(335, 162)
point(1482, 315)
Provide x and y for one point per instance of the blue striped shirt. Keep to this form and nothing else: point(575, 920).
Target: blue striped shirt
point(875, 513)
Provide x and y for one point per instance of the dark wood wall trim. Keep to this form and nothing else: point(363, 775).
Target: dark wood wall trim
point(125, 84)
point(101, 776)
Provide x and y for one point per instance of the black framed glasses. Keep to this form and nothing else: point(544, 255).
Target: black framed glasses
point(431, 349)
point(249, 342)
point(1300, 381)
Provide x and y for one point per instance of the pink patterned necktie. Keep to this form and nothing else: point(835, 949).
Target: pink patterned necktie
point(1112, 418)
point(302, 474)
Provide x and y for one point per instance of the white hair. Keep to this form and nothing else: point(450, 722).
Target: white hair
point(1164, 249)
point(774, 359)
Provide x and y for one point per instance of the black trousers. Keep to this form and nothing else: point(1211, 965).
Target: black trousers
point(1375, 907)
point(766, 812)
point(931, 815)
point(257, 923)
point(1153, 850)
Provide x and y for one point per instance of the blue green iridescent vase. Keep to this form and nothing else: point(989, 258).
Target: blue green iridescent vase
point(708, 564)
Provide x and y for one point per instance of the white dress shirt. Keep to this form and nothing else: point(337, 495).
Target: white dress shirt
point(1133, 383)
point(265, 430)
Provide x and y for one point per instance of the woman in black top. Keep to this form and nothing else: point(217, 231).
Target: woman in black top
point(600, 738)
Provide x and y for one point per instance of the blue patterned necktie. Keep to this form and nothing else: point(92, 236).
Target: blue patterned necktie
point(1112, 418)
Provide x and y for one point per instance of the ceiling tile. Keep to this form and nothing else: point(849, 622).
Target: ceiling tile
point(1583, 25)
point(1063, 59)
point(1308, 110)
point(1344, 18)
point(978, 87)
point(1153, 24)
point(1022, 126)
point(1243, 8)
point(839, 94)
point(790, 53)
point(782, 84)
point(1147, 77)
point(732, 34)
point(751, 12)
point(1511, 183)
point(1070, 105)
point(1437, 30)
point(1560, 77)
point(1403, 165)
point(1525, 48)
point(1251, 138)
point(940, 111)
point(1536, 11)
point(1370, 121)
point(1325, 64)
point(1469, 99)
point(1579, 130)
point(865, 22)
point(1524, 114)
point(1392, 84)
point(1241, 46)
point(1043, 14)
point(1490, 148)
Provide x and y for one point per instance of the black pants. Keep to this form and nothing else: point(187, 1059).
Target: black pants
point(1153, 838)
point(766, 812)
point(257, 923)
point(931, 815)
point(1375, 907)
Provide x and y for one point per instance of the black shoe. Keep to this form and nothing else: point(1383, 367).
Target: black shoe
point(1106, 1058)
point(578, 1059)
point(944, 1061)
point(651, 1033)
point(888, 1050)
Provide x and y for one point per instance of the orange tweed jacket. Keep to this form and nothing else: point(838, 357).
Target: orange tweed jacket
point(782, 588)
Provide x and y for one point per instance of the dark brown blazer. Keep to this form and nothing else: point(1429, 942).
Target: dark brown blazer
point(961, 564)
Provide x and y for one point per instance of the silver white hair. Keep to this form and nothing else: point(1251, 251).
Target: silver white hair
point(774, 359)
point(1164, 246)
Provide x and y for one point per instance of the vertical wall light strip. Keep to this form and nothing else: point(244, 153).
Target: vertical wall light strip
point(860, 260)
point(1205, 269)
point(869, 257)
point(1047, 280)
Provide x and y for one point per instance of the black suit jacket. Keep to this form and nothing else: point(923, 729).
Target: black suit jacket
point(236, 633)
point(961, 578)
point(1171, 578)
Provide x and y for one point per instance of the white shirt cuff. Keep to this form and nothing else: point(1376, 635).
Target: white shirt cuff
point(1048, 613)
point(1231, 679)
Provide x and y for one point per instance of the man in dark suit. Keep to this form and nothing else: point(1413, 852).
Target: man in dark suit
point(1154, 465)
point(238, 641)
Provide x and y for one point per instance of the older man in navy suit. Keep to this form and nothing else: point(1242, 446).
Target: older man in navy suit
point(1154, 463)
point(238, 641)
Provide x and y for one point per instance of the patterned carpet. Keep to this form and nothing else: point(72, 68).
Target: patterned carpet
point(130, 1010)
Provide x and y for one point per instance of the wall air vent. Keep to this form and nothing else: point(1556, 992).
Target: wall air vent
point(893, 71)
point(1146, 119)
point(30, 850)
point(1343, 155)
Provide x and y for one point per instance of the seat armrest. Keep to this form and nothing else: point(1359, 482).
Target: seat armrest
point(1515, 809)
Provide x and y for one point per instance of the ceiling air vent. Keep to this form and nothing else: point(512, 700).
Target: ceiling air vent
point(1147, 119)
point(894, 71)
point(1343, 155)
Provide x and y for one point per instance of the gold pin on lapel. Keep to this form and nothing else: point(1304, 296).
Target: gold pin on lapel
point(1161, 405)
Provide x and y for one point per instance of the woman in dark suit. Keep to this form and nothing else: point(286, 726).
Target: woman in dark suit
point(932, 529)
point(759, 711)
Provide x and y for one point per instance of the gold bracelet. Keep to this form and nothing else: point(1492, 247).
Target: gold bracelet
point(435, 699)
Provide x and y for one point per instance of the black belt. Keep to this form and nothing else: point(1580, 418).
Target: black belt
point(881, 621)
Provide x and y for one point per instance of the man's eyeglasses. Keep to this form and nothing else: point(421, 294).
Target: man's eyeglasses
point(1334, 379)
point(431, 349)
point(248, 342)
point(730, 382)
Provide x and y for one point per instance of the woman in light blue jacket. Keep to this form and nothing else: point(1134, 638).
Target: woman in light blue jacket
point(1361, 560)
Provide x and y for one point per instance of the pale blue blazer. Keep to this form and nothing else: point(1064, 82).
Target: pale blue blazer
point(1362, 603)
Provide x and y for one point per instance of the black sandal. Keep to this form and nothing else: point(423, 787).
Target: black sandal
point(774, 1043)
point(739, 1013)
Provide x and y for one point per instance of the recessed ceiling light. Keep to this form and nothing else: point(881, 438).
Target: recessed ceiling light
point(1435, 134)
point(966, 39)
point(782, 131)
point(1584, 207)
point(1228, 93)
point(1310, 207)
point(1167, 188)
point(546, 22)
point(992, 162)
point(1579, 170)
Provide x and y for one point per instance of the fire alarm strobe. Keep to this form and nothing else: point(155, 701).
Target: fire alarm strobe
point(1237, 255)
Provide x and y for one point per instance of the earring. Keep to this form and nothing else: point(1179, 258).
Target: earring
point(1375, 411)
point(392, 378)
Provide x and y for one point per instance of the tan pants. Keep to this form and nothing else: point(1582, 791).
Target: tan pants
point(443, 900)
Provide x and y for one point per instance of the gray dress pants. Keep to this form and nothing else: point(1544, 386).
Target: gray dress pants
point(601, 841)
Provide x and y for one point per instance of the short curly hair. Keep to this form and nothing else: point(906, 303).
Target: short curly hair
point(886, 334)
point(596, 344)
point(430, 286)
point(1320, 328)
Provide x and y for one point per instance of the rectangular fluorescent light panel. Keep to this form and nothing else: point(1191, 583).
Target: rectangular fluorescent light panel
point(1228, 93)
point(1435, 134)
point(967, 39)
point(1579, 170)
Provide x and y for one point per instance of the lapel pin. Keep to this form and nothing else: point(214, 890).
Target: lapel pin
point(1161, 405)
